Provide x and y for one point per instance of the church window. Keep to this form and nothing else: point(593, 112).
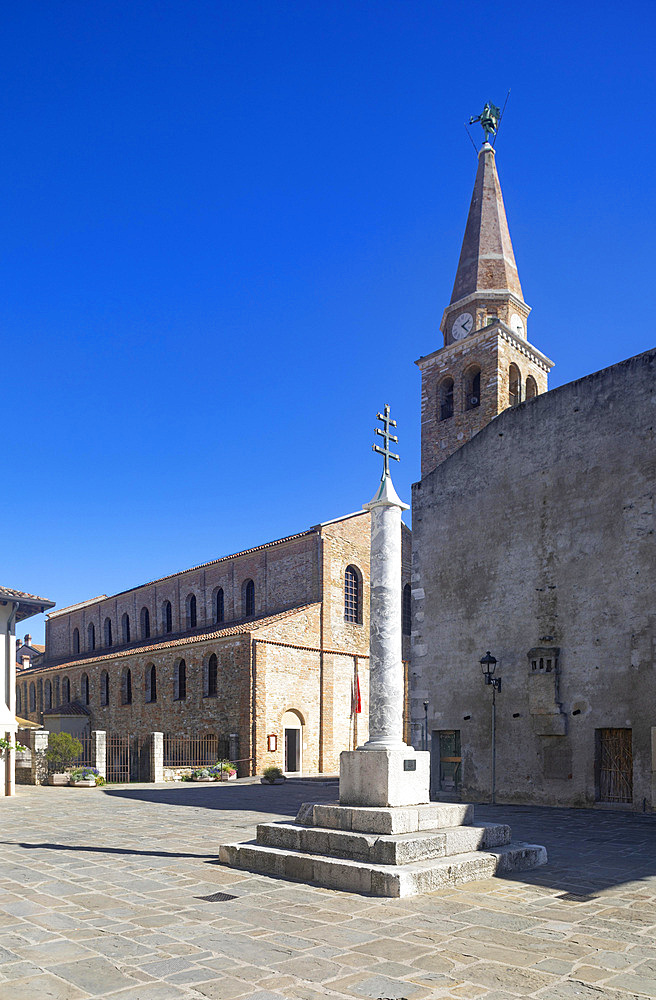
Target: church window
point(531, 387)
point(84, 688)
point(353, 595)
point(180, 681)
point(32, 697)
point(219, 606)
point(126, 687)
point(445, 399)
point(66, 690)
point(25, 696)
point(108, 631)
point(91, 636)
point(56, 691)
point(211, 677)
point(151, 683)
point(248, 598)
point(76, 640)
point(514, 385)
point(48, 695)
point(167, 616)
point(192, 612)
point(145, 623)
point(125, 627)
point(19, 701)
point(39, 689)
point(406, 610)
point(472, 388)
point(104, 688)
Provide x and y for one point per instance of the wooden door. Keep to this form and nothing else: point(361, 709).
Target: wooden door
point(614, 765)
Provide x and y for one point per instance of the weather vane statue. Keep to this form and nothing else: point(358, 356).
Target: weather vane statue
point(489, 120)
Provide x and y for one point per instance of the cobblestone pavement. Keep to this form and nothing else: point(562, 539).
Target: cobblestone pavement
point(117, 893)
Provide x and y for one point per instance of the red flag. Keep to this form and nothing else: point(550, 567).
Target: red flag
point(358, 700)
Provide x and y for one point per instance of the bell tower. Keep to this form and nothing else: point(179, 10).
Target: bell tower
point(486, 363)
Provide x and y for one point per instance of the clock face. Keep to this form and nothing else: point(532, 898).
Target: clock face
point(517, 325)
point(462, 326)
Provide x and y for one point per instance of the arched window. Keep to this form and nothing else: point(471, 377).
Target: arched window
point(167, 616)
point(248, 598)
point(125, 627)
point(104, 688)
point(406, 610)
point(19, 701)
point(126, 687)
point(192, 615)
point(219, 606)
point(151, 683)
point(48, 696)
point(76, 640)
point(56, 691)
point(32, 697)
point(84, 688)
point(211, 677)
point(472, 387)
point(145, 623)
point(180, 681)
point(91, 636)
point(66, 690)
point(108, 631)
point(531, 387)
point(353, 595)
point(39, 690)
point(445, 399)
point(25, 709)
point(514, 385)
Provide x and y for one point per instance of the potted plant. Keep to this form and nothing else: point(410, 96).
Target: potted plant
point(272, 776)
point(224, 770)
point(62, 751)
point(86, 777)
point(202, 774)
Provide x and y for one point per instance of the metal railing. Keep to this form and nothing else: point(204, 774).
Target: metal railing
point(194, 751)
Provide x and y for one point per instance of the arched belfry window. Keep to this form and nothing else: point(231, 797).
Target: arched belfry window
point(531, 387)
point(353, 595)
point(406, 610)
point(180, 681)
point(125, 627)
point(76, 640)
point(192, 612)
point(108, 631)
point(167, 616)
point(145, 623)
point(219, 606)
point(84, 689)
point(445, 399)
point(472, 387)
point(248, 598)
point(151, 682)
point(91, 636)
point(514, 385)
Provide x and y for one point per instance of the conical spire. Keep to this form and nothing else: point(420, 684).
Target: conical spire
point(487, 261)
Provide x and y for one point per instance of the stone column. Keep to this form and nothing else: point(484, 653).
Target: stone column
point(99, 751)
point(157, 756)
point(38, 762)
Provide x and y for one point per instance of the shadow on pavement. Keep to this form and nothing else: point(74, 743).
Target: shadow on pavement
point(76, 848)
point(283, 800)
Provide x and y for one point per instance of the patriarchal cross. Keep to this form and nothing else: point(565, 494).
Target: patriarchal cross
point(387, 422)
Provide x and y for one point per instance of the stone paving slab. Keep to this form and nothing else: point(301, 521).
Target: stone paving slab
point(120, 902)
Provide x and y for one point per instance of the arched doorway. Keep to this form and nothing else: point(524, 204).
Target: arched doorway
point(292, 727)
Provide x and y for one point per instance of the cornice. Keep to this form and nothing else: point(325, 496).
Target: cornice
point(497, 330)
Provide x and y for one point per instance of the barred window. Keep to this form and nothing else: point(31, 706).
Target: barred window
point(353, 595)
point(406, 610)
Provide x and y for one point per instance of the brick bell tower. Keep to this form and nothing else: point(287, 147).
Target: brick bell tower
point(486, 363)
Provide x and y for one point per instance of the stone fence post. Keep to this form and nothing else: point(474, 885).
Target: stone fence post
point(99, 751)
point(233, 747)
point(157, 757)
point(38, 762)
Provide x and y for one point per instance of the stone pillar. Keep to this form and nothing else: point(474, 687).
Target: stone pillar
point(385, 772)
point(157, 756)
point(38, 762)
point(99, 751)
point(233, 747)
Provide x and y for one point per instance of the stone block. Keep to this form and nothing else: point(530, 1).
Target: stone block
point(384, 777)
point(333, 816)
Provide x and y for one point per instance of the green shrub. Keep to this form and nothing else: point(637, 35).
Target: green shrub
point(271, 773)
point(62, 749)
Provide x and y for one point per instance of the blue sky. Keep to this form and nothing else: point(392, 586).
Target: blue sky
point(228, 229)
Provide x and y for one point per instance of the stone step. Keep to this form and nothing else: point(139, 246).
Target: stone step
point(392, 820)
point(383, 849)
point(381, 880)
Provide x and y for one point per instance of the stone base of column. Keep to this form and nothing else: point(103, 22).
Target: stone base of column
point(384, 778)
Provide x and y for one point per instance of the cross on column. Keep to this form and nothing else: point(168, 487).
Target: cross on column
point(387, 422)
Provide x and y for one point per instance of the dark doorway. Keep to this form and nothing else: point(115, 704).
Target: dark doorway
point(446, 763)
point(292, 749)
point(614, 765)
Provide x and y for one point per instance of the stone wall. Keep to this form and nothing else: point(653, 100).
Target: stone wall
point(539, 534)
